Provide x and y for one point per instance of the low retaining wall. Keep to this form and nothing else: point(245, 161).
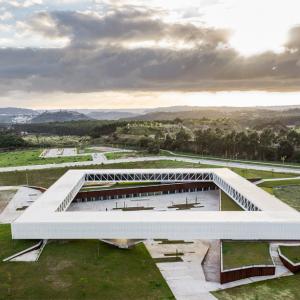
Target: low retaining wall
point(244, 272)
point(293, 267)
point(140, 190)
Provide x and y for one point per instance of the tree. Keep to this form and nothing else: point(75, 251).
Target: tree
point(241, 144)
point(253, 144)
point(144, 142)
point(178, 121)
point(182, 137)
point(266, 140)
point(11, 140)
point(293, 137)
point(168, 142)
point(153, 147)
point(285, 149)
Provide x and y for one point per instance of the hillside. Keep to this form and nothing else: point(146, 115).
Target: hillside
point(245, 116)
point(12, 111)
point(59, 116)
point(112, 115)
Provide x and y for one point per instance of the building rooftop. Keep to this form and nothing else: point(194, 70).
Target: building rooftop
point(49, 209)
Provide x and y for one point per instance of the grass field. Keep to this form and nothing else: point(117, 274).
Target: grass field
point(291, 252)
point(117, 155)
point(286, 190)
point(227, 204)
point(255, 162)
point(284, 288)
point(276, 183)
point(47, 177)
point(243, 253)
point(249, 173)
point(90, 270)
point(31, 157)
point(289, 194)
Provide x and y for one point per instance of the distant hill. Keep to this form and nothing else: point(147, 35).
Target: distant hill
point(242, 115)
point(189, 114)
point(59, 116)
point(112, 115)
point(9, 115)
point(288, 115)
point(12, 111)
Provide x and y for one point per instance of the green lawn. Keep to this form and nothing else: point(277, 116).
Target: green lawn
point(117, 155)
point(276, 183)
point(284, 288)
point(291, 252)
point(81, 269)
point(249, 173)
point(255, 162)
point(244, 253)
point(227, 204)
point(285, 190)
point(289, 194)
point(31, 157)
point(47, 177)
point(268, 190)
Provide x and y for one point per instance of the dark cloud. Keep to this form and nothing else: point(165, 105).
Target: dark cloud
point(127, 25)
point(93, 63)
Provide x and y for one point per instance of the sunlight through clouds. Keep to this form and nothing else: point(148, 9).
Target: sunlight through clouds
point(196, 52)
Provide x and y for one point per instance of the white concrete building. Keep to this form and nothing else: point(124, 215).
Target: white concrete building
point(265, 216)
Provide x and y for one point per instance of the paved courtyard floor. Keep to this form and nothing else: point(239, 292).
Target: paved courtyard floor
point(204, 201)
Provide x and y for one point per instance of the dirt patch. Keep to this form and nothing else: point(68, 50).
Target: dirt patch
point(54, 278)
point(60, 266)
point(57, 283)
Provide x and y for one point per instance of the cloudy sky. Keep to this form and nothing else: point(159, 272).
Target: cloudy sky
point(134, 53)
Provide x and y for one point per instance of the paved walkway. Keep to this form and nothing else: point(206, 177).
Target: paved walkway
point(186, 279)
point(281, 270)
point(23, 198)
